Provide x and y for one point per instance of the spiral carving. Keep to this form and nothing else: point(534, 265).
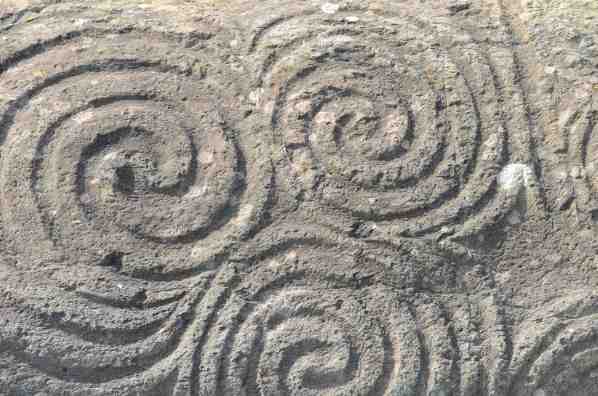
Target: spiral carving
point(298, 324)
point(382, 117)
point(128, 154)
point(137, 183)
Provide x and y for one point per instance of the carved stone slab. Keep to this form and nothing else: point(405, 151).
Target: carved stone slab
point(278, 197)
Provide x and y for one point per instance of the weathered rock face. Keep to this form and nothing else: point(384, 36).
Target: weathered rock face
point(299, 198)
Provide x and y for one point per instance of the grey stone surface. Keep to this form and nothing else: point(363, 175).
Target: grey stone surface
point(299, 197)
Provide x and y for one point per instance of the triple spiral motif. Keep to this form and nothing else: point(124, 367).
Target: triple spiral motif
point(138, 165)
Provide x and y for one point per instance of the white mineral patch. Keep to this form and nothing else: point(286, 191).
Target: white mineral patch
point(330, 8)
point(515, 176)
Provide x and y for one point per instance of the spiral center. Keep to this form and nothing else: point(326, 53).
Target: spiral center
point(140, 173)
point(357, 127)
point(139, 167)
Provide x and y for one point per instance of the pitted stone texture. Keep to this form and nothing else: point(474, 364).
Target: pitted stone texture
point(298, 198)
